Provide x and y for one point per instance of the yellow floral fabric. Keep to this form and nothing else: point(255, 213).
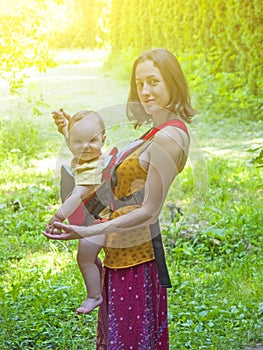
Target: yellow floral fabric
point(132, 247)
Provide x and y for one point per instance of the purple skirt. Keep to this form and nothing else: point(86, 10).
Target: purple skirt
point(133, 315)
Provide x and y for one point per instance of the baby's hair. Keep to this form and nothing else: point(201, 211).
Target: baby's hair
point(81, 115)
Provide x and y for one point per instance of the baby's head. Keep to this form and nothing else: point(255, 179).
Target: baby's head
point(86, 135)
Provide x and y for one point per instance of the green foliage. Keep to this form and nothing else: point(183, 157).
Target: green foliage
point(15, 136)
point(30, 28)
point(216, 307)
point(83, 24)
point(38, 305)
point(23, 41)
point(41, 284)
point(218, 43)
point(258, 159)
point(215, 259)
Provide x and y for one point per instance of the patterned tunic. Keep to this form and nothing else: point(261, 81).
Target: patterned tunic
point(133, 315)
point(131, 247)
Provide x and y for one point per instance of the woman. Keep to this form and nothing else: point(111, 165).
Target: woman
point(133, 314)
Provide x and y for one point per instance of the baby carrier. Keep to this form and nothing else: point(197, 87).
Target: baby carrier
point(103, 198)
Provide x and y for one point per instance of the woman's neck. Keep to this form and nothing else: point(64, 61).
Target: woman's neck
point(160, 118)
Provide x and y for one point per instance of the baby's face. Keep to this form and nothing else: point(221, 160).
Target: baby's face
point(86, 140)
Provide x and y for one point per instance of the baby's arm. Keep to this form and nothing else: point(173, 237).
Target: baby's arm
point(61, 119)
point(71, 203)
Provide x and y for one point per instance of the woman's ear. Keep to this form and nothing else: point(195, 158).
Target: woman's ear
point(103, 138)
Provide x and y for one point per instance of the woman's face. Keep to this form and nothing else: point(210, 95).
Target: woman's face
point(151, 88)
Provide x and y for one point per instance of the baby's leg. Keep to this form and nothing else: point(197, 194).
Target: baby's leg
point(90, 268)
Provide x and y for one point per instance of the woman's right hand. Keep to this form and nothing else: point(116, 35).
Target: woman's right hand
point(62, 232)
point(61, 119)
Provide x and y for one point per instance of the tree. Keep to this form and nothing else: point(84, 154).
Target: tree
point(23, 41)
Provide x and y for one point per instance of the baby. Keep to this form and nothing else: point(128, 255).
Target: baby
point(85, 138)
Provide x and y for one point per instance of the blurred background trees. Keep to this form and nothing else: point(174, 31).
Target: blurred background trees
point(219, 43)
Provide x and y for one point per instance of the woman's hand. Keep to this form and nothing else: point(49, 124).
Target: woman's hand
point(62, 232)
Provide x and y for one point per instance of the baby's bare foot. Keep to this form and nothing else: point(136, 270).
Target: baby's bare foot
point(89, 304)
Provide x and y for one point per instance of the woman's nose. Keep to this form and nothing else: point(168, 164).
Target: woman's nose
point(145, 89)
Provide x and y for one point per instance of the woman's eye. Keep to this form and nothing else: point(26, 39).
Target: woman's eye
point(139, 85)
point(153, 81)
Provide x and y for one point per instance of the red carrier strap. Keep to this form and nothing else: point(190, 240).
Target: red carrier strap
point(173, 122)
point(138, 142)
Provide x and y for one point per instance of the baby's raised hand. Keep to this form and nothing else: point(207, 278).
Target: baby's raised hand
point(61, 119)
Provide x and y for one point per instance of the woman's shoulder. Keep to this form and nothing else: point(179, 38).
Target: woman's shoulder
point(169, 144)
point(171, 135)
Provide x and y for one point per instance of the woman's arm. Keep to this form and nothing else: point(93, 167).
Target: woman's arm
point(166, 156)
point(71, 203)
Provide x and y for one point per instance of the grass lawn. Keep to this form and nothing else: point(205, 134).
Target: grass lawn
point(214, 251)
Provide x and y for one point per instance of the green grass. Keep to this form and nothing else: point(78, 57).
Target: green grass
point(214, 251)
